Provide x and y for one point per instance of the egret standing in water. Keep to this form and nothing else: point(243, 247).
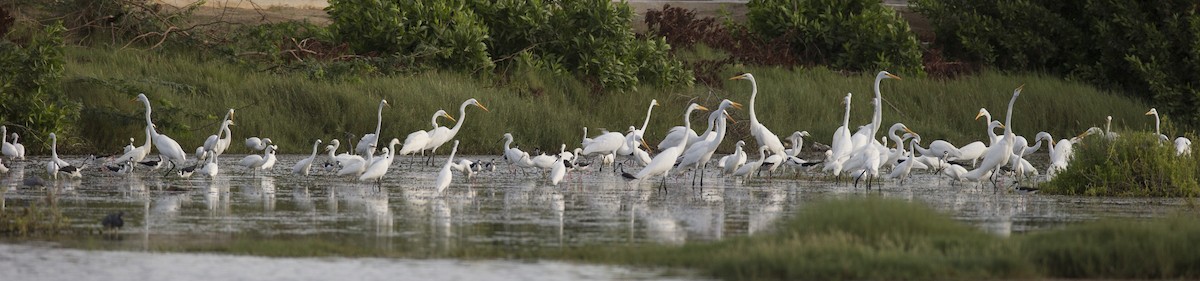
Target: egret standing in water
point(997, 155)
point(302, 167)
point(166, 145)
point(366, 145)
point(441, 135)
point(445, 175)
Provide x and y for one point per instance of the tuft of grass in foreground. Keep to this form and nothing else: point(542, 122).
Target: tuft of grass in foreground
point(191, 92)
point(854, 239)
point(33, 220)
point(1134, 164)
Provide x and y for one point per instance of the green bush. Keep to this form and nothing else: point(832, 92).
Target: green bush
point(1135, 164)
point(31, 66)
point(593, 39)
point(1148, 48)
point(445, 34)
point(1118, 249)
point(857, 35)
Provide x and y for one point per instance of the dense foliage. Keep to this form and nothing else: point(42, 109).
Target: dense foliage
point(856, 35)
point(1150, 48)
point(592, 38)
point(31, 66)
point(1135, 164)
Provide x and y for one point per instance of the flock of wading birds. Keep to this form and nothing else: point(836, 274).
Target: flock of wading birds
point(859, 155)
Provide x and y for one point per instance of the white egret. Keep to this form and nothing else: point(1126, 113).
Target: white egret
point(3, 169)
point(902, 170)
point(747, 170)
point(256, 162)
point(730, 163)
point(20, 147)
point(1183, 146)
point(559, 169)
point(219, 142)
point(699, 153)
point(607, 143)
point(1161, 137)
point(682, 133)
point(166, 145)
point(441, 135)
point(797, 141)
point(416, 141)
point(366, 145)
point(543, 161)
point(1108, 133)
point(257, 144)
point(992, 137)
point(998, 154)
point(304, 165)
point(760, 132)
point(128, 147)
point(137, 154)
point(839, 149)
point(270, 160)
point(585, 140)
point(353, 164)
point(331, 150)
point(210, 167)
point(379, 168)
point(641, 132)
point(8, 149)
point(53, 166)
point(445, 176)
point(514, 155)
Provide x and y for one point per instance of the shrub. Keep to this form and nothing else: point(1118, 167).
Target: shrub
point(31, 65)
point(445, 34)
point(856, 35)
point(1135, 164)
point(1148, 48)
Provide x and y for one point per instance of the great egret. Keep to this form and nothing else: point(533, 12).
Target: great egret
point(1183, 146)
point(543, 161)
point(1161, 138)
point(3, 169)
point(1108, 133)
point(128, 147)
point(366, 145)
point(219, 142)
point(682, 133)
point(730, 163)
point(304, 165)
point(441, 135)
point(331, 150)
point(257, 144)
point(8, 149)
point(559, 169)
point(445, 176)
point(514, 155)
point(54, 164)
point(839, 149)
point(1061, 154)
point(166, 145)
point(992, 137)
point(665, 160)
point(379, 168)
point(699, 153)
point(998, 154)
point(20, 147)
point(607, 143)
point(416, 141)
point(761, 134)
point(210, 167)
point(257, 162)
point(750, 168)
point(641, 132)
point(797, 141)
point(902, 170)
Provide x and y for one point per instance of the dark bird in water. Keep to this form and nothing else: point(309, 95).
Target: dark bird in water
point(1026, 189)
point(113, 220)
point(34, 180)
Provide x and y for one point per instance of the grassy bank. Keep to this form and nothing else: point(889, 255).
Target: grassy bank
point(855, 239)
point(191, 93)
point(1134, 164)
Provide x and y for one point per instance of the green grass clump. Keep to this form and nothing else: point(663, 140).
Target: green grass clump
point(1135, 164)
point(1163, 248)
point(33, 220)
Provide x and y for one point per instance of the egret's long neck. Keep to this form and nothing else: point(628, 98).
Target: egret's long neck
point(452, 152)
point(391, 149)
point(753, 94)
point(720, 127)
point(508, 142)
point(147, 103)
point(4, 134)
point(1008, 117)
point(687, 118)
point(54, 147)
point(462, 115)
point(712, 120)
point(892, 135)
point(1108, 125)
point(846, 117)
point(316, 145)
point(379, 119)
point(434, 120)
point(225, 130)
point(877, 119)
point(647, 122)
point(1156, 123)
point(799, 144)
point(149, 135)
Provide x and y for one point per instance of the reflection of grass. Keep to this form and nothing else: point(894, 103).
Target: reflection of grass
point(878, 239)
point(191, 92)
point(32, 220)
point(1134, 164)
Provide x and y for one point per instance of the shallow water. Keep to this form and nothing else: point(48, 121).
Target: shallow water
point(501, 210)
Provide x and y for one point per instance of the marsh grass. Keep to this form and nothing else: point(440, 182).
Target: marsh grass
point(1162, 248)
point(36, 219)
point(190, 93)
point(1135, 164)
